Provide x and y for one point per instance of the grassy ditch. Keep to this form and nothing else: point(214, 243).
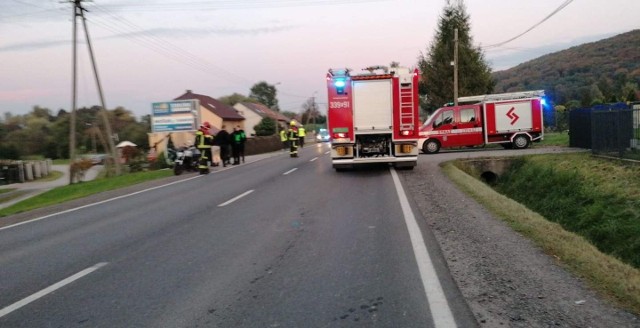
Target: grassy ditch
point(584, 211)
point(83, 189)
point(555, 139)
point(595, 198)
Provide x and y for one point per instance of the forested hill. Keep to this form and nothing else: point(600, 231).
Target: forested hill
point(604, 71)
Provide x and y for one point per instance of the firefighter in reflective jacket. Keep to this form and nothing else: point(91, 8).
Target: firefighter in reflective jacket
point(204, 140)
point(292, 135)
point(301, 134)
point(283, 138)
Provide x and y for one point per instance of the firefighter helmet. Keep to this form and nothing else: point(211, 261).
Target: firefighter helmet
point(292, 123)
point(205, 125)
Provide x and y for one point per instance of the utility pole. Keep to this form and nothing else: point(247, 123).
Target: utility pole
point(111, 149)
point(312, 110)
point(74, 88)
point(276, 114)
point(455, 68)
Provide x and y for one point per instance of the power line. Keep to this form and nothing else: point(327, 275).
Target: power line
point(135, 33)
point(165, 48)
point(234, 4)
point(564, 4)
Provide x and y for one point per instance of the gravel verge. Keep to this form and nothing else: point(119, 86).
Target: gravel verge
point(506, 280)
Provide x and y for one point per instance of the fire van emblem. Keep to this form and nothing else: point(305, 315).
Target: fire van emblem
point(512, 115)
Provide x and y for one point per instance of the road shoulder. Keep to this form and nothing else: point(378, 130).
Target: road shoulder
point(506, 280)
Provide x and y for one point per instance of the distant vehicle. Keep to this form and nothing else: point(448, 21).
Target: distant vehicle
point(373, 117)
point(323, 136)
point(512, 120)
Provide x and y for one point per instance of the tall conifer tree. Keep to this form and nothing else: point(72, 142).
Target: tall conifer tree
point(474, 74)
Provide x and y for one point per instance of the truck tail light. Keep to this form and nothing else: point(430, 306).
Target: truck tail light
point(406, 132)
point(340, 135)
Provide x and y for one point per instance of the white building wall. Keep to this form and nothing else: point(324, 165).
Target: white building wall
point(251, 118)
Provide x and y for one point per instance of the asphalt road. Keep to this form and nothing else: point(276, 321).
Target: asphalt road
point(283, 242)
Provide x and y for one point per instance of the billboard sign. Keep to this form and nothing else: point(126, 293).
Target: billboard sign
point(177, 115)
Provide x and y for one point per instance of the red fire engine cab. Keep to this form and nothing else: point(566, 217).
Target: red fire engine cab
point(373, 116)
point(513, 120)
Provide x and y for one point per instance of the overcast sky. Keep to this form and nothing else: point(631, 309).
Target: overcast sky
point(153, 50)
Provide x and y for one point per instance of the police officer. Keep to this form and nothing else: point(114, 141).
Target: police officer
point(236, 142)
point(292, 136)
point(203, 142)
point(243, 140)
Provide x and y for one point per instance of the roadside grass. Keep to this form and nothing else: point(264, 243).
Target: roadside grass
point(580, 175)
point(596, 198)
point(555, 139)
point(83, 189)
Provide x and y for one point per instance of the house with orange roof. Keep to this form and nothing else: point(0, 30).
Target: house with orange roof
point(215, 112)
point(205, 109)
point(255, 112)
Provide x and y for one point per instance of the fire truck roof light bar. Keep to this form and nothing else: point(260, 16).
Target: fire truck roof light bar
point(339, 72)
point(503, 96)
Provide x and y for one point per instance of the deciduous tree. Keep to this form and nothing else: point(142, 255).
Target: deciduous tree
point(265, 94)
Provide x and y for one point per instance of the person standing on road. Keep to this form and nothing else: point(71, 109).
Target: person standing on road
point(203, 142)
point(283, 138)
point(236, 140)
point(222, 140)
point(292, 136)
point(301, 134)
point(243, 140)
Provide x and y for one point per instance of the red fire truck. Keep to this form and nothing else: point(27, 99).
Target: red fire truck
point(373, 116)
point(513, 120)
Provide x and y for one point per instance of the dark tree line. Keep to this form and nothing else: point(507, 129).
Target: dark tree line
point(42, 134)
point(605, 71)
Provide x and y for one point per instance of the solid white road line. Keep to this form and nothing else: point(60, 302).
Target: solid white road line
point(293, 169)
point(50, 289)
point(328, 152)
point(235, 198)
point(97, 203)
point(313, 159)
point(440, 310)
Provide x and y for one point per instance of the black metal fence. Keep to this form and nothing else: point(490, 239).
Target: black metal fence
point(612, 130)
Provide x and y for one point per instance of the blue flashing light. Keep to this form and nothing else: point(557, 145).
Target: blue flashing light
point(339, 83)
point(543, 102)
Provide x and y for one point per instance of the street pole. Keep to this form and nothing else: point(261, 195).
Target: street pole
point(103, 111)
point(74, 87)
point(276, 113)
point(455, 68)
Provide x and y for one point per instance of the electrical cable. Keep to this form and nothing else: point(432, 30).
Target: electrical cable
point(234, 4)
point(137, 34)
point(564, 4)
point(163, 47)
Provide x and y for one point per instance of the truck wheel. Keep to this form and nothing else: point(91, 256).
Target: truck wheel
point(520, 142)
point(431, 146)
